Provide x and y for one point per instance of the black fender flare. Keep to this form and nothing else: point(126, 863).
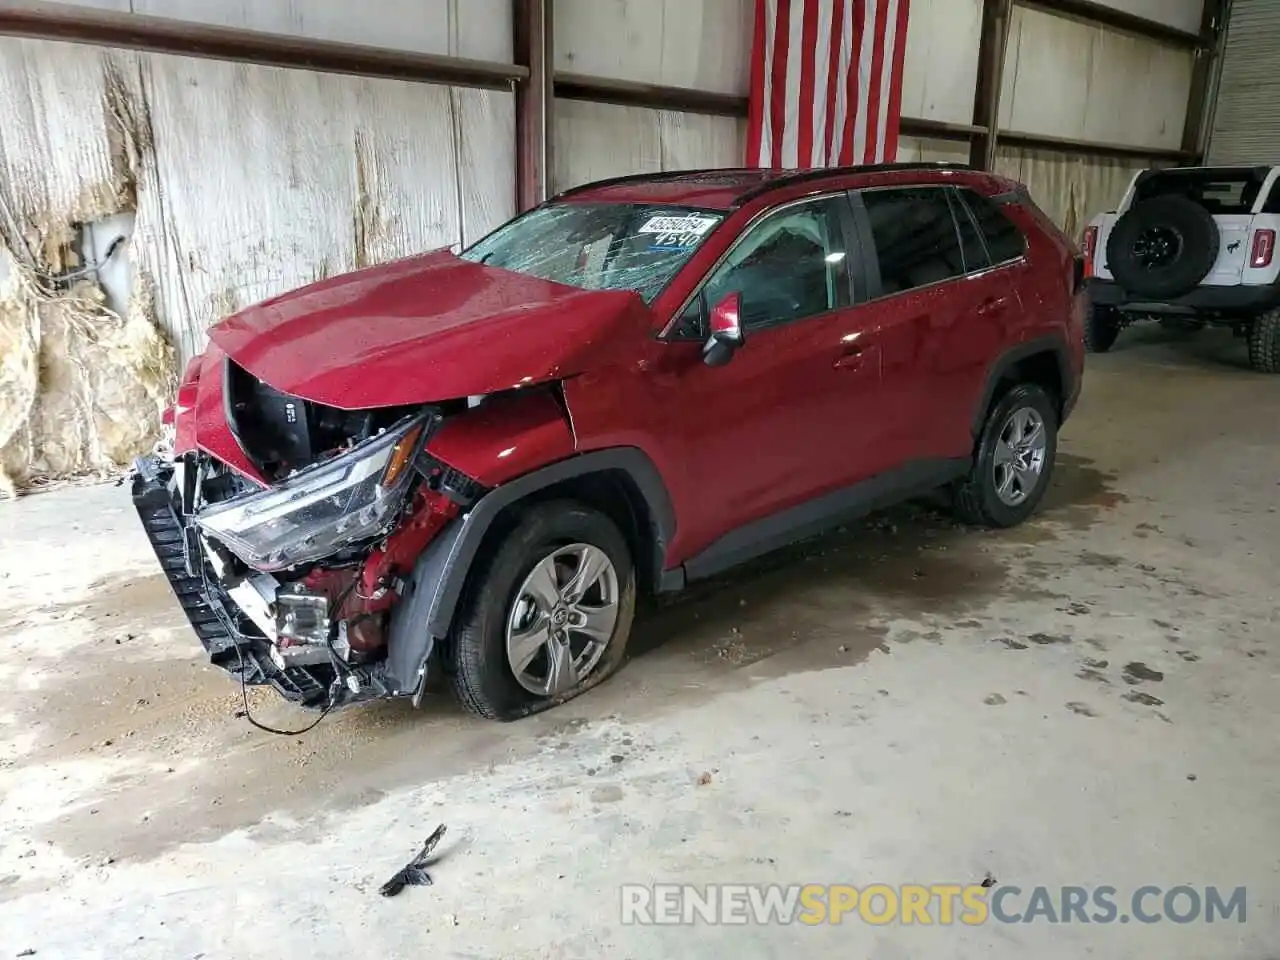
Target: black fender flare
point(1052, 343)
point(426, 611)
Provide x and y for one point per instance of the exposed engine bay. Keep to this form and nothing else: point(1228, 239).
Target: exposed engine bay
point(301, 575)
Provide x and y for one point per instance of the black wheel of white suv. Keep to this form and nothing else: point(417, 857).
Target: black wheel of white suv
point(1013, 461)
point(1264, 343)
point(547, 617)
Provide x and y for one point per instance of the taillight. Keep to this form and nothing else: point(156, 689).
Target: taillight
point(1264, 248)
point(1089, 246)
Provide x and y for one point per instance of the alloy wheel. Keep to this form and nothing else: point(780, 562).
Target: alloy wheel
point(562, 619)
point(1020, 456)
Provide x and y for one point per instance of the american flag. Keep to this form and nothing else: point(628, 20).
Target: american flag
point(826, 82)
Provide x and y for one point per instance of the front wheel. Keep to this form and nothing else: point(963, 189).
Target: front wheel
point(548, 617)
point(1014, 460)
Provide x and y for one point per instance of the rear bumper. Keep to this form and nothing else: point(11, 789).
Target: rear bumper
point(217, 621)
point(1226, 301)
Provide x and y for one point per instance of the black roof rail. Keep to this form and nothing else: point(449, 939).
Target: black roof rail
point(821, 173)
point(775, 182)
point(663, 175)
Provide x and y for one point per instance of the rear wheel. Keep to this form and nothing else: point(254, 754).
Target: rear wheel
point(1264, 343)
point(1015, 458)
point(548, 617)
point(1101, 327)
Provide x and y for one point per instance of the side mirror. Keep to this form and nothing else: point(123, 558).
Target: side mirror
point(726, 331)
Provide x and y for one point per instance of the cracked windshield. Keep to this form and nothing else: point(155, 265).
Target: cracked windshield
point(599, 246)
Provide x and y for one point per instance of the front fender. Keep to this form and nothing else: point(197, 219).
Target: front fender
point(505, 437)
point(425, 614)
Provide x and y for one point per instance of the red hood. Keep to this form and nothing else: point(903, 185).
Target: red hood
point(429, 328)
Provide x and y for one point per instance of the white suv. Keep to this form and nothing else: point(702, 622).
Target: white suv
point(1190, 246)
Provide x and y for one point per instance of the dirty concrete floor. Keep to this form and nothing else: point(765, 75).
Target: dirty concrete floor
point(1091, 699)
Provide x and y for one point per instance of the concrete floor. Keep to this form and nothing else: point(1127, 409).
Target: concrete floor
point(1091, 699)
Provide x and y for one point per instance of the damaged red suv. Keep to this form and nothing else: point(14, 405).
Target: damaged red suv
point(473, 463)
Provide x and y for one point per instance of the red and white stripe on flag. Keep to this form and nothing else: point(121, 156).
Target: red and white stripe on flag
point(826, 82)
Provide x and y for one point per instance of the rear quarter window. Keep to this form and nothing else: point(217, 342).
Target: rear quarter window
point(1004, 240)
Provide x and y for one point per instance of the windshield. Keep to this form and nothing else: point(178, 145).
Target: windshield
point(606, 246)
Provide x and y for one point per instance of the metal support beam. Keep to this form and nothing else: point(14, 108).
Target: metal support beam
point(1091, 148)
point(627, 93)
point(996, 15)
point(43, 20)
point(1092, 11)
point(1213, 26)
point(577, 86)
point(535, 101)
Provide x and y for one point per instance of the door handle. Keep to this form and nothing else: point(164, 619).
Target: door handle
point(853, 360)
point(859, 358)
point(988, 307)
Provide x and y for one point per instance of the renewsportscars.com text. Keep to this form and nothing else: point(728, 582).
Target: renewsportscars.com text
point(927, 904)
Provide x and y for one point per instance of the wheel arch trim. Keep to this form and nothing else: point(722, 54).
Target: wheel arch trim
point(1055, 344)
point(425, 614)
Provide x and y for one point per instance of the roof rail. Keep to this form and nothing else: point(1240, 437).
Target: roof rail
point(821, 173)
point(648, 177)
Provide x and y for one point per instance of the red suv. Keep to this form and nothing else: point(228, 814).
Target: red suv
point(473, 463)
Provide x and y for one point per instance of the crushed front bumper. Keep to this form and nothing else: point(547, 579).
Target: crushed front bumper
point(223, 629)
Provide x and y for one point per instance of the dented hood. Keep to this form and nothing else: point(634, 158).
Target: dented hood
point(426, 329)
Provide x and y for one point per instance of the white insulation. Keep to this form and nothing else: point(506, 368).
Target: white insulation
point(246, 181)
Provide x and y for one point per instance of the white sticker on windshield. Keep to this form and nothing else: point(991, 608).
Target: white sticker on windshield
point(696, 226)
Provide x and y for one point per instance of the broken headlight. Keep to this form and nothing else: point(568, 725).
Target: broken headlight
point(321, 509)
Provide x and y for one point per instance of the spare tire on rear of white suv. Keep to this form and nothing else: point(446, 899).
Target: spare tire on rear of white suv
point(1163, 247)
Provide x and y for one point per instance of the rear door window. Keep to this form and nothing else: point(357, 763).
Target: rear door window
point(1004, 240)
point(915, 236)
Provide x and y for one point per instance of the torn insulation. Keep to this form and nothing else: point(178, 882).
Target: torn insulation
point(82, 389)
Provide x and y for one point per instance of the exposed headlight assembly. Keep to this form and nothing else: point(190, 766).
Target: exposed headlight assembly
point(320, 510)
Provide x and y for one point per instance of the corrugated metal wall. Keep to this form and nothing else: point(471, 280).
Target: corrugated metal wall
point(696, 44)
point(1064, 78)
point(699, 44)
point(1246, 117)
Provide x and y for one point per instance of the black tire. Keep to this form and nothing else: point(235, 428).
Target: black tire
point(477, 661)
point(1194, 242)
point(976, 499)
point(1264, 343)
point(1101, 327)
